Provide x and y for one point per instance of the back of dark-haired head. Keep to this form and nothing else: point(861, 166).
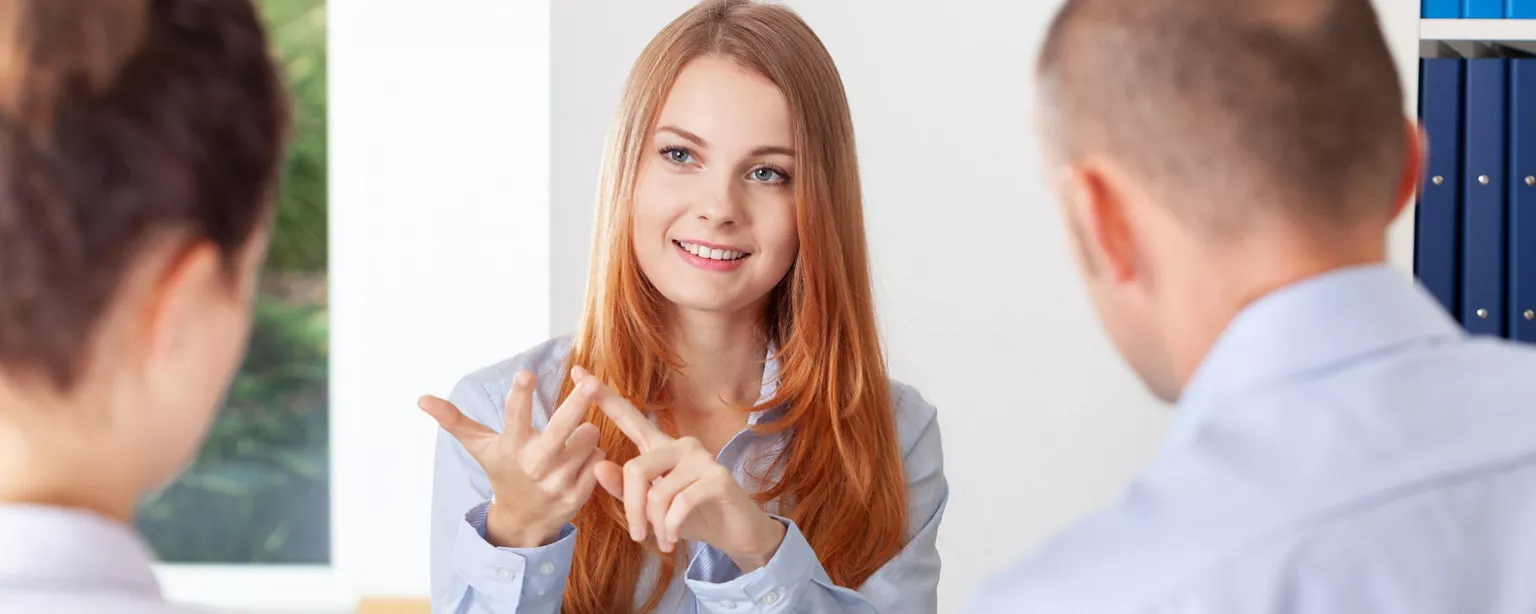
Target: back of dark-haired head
point(1235, 111)
point(121, 122)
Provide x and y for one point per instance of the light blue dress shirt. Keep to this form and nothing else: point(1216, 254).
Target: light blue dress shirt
point(63, 561)
point(1344, 448)
point(469, 576)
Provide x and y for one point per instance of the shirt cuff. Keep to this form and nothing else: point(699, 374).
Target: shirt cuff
point(532, 578)
point(721, 587)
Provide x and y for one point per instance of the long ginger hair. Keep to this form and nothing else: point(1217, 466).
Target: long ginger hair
point(841, 476)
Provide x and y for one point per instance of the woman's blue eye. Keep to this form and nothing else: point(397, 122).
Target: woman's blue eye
point(677, 155)
point(768, 175)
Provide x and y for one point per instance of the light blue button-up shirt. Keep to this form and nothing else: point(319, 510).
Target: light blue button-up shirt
point(1344, 448)
point(470, 576)
point(63, 561)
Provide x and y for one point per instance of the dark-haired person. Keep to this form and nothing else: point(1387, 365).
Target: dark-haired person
point(139, 141)
point(1228, 170)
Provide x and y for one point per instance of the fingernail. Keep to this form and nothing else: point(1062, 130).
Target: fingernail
point(521, 379)
point(587, 387)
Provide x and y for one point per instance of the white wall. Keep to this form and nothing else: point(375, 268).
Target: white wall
point(974, 281)
point(439, 246)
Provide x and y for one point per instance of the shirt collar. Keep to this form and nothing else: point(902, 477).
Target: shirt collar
point(70, 547)
point(770, 387)
point(1312, 324)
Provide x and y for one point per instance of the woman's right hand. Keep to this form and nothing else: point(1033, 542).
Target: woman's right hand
point(539, 480)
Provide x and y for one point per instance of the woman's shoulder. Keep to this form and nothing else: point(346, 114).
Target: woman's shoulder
point(487, 387)
point(544, 360)
point(915, 416)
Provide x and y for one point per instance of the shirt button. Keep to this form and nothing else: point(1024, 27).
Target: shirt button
point(728, 605)
point(771, 598)
point(506, 574)
point(547, 569)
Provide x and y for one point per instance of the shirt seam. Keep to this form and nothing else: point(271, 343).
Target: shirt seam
point(1215, 403)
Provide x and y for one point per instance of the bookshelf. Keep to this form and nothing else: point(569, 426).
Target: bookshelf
point(1436, 38)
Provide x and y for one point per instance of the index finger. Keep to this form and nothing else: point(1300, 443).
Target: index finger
point(629, 419)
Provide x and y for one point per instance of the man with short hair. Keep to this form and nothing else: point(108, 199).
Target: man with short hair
point(1228, 170)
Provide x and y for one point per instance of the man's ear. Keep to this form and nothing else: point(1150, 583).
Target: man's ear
point(1101, 212)
point(1416, 161)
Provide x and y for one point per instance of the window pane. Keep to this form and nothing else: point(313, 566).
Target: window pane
point(259, 491)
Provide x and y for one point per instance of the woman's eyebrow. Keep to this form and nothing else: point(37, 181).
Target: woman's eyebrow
point(697, 140)
point(774, 149)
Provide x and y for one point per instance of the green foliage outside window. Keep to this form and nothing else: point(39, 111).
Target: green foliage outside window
point(259, 491)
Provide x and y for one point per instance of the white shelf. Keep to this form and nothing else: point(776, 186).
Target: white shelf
point(1477, 29)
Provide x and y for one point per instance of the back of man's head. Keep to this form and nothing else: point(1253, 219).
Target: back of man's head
point(1235, 114)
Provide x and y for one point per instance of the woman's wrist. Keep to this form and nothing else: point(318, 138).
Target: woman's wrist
point(762, 547)
point(505, 530)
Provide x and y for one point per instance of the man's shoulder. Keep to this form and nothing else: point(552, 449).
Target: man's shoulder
point(1236, 516)
point(1119, 560)
point(1420, 547)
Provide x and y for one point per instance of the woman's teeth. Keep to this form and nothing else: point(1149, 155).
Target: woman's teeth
point(712, 254)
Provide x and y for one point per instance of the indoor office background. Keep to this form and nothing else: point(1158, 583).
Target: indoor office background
point(436, 218)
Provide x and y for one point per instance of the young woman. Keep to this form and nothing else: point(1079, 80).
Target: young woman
point(730, 300)
point(139, 142)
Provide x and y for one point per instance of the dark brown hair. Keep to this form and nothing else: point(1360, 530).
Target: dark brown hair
point(1236, 110)
point(122, 121)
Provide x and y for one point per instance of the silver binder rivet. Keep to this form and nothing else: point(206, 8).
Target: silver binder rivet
point(1482, 314)
point(1483, 179)
point(1438, 180)
point(1529, 180)
point(1530, 315)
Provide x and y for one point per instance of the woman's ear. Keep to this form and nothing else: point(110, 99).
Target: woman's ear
point(180, 297)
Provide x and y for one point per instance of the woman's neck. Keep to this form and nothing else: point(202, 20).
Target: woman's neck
point(45, 460)
point(722, 356)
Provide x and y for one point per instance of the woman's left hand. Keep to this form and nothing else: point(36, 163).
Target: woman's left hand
point(676, 487)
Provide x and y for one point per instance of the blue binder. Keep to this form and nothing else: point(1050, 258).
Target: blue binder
point(1520, 9)
point(1483, 277)
point(1483, 9)
point(1522, 200)
point(1437, 250)
point(1441, 9)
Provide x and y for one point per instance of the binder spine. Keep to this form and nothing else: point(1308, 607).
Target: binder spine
point(1484, 204)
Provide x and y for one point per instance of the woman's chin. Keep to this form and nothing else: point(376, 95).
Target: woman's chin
point(711, 303)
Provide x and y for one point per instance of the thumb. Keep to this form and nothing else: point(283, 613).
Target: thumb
point(470, 434)
point(611, 476)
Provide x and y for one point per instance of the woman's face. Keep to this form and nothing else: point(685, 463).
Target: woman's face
point(714, 206)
